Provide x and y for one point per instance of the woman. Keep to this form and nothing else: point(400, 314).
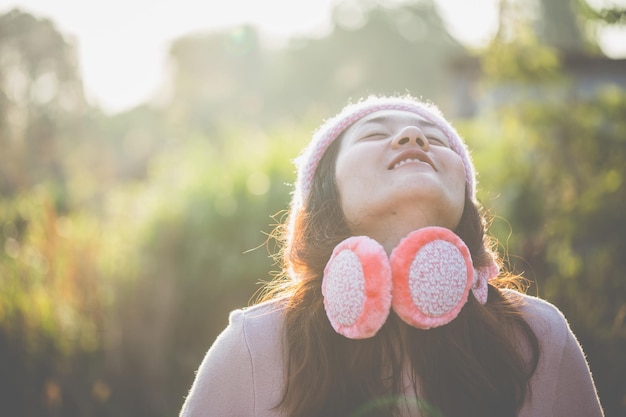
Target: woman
point(391, 303)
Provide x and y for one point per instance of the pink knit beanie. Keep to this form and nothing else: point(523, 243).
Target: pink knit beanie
point(332, 128)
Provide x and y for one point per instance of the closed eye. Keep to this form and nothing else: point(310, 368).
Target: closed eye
point(374, 136)
point(433, 140)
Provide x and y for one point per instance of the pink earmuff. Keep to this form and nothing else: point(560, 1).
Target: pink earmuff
point(357, 287)
point(432, 274)
point(426, 280)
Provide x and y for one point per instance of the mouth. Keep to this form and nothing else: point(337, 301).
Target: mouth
point(411, 156)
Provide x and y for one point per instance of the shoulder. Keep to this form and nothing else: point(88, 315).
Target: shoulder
point(264, 319)
point(260, 329)
point(558, 347)
point(241, 374)
point(562, 384)
point(544, 318)
point(268, 311)
point(252, 333)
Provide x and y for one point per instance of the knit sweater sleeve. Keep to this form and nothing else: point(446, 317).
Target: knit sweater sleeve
point(224, 384)
point(562, 385)
point(575, 393)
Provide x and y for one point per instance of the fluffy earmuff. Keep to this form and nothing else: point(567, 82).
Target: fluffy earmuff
point(357, 287)
point(426, 281)
point(432, 273)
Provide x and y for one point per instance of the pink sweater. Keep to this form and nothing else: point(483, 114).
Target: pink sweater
point(242, 373)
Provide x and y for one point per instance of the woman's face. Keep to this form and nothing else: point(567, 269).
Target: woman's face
point(394, 165)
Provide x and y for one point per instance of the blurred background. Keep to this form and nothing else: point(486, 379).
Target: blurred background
point(145, 158)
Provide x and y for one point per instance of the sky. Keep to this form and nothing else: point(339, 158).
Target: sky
point(123, 44)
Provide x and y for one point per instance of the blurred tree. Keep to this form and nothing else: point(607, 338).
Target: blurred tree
point(50, 309)
point(558, 161)
point(559, 27)
point(594, 18)
point(40, 94)
point(569, 222)
point(215, 80)
point(569, 27)
point(610, 15)
point(190, 248)
point(374, 48)
point(233, 77)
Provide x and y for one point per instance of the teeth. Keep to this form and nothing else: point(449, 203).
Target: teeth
point(405, 161)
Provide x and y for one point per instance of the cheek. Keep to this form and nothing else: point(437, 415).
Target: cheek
point(343, 180)
point(347, 188)
point(350, 175)
point(352, 198)
point(460, 182)
point(456, 186)
point(457, 173)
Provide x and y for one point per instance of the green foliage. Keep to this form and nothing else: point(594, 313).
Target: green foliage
point(46, 259)
point(374, 50)
point(153, 278)
point(229, 77)
point(40, 96)
point(51, 308)
point(523, 60)
point(186, 246)
point(614, 15)
point(559, 27)
point(558, 164)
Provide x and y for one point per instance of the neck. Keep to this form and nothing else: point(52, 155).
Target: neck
point(390, 229)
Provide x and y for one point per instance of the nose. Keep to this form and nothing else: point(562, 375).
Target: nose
point(409, 136)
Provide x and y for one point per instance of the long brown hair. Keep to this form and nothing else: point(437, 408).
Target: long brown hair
point(469, 367)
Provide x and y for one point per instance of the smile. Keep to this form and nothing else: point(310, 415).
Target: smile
point(411, 156)
point(406, 161)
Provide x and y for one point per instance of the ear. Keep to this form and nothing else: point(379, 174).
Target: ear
point(432, 275)
point(357, 287)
